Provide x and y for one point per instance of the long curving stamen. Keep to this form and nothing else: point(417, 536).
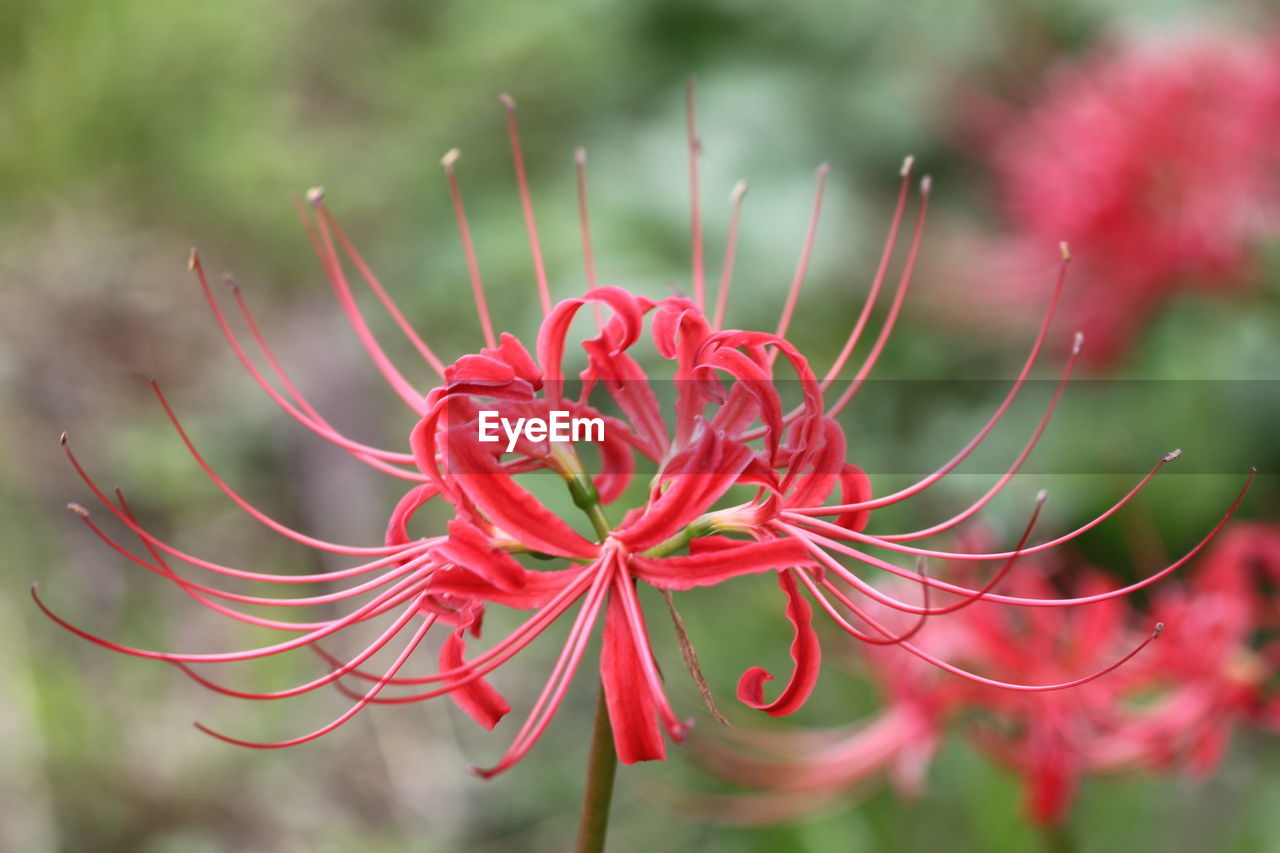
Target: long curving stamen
point(837, 532)
point(250, 509)
point(1009, 599)
point(400, 592)
point(695, 205)
point(165, 570)
point(895, 307)
point(561, 675)
point(730, 253)
point(329, 434)
point(391, 553)
point(449, 162)
point(333, 675)
point(802, 265)
point(973, 508)
point(342, 289)
point(187, 586)
point(502, 651)
point(370, 454)
point(162, 568)
point(526, 204)
point(966, 674)
point(371, 280)
point(1000, 411)
point(1008, 685)
point(588, 257)
point(881, 271)
point(409, 648)
point(920, 577)
point(843, 623)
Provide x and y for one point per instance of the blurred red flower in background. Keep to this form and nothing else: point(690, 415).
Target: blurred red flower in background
point(1157, 163)
point(1174, 708)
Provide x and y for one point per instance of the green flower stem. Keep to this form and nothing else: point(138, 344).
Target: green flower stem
point(602, 766)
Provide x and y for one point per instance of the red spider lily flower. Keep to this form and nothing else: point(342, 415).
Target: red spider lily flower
point(729, 429)
point(1157, 163)
point(1214, 678)
point(1178, 705)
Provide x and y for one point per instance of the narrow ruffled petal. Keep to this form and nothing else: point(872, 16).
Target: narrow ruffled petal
point(482, 702)
point(806, 653)
point(632, 711)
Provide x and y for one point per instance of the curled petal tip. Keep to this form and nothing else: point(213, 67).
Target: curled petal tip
point(315, 196)
point(1065, 249)
point(78, 510)
point(1173, 454)
point(450, 157)
point(907, 163)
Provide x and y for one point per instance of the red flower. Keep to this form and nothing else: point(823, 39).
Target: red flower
point(1158, 166)
point(729, 429)
point(1177, 706)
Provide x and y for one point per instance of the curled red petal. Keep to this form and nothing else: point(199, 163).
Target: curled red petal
point(482, 702)
point(806, 652)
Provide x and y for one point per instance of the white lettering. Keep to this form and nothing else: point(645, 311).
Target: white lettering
point(513, 434)
point(488, 421)
point(588, 425)
point(560, 428)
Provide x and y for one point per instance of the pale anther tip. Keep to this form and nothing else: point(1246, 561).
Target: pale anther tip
point(450, 157)
point(580, 155)
point(193, 258)
point(1065, 249)
point(62, 439)
point(507, 101)
point(1042, 496)
point(907, 163)
point(1158, 631)
point(78, 510)
point(738, 191)
point(1078, 344)
point(1173, 454)
point(315, 196)
point(823, 169)
point(926, 184)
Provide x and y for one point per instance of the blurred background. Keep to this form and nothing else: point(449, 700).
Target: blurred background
point(132, 130)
